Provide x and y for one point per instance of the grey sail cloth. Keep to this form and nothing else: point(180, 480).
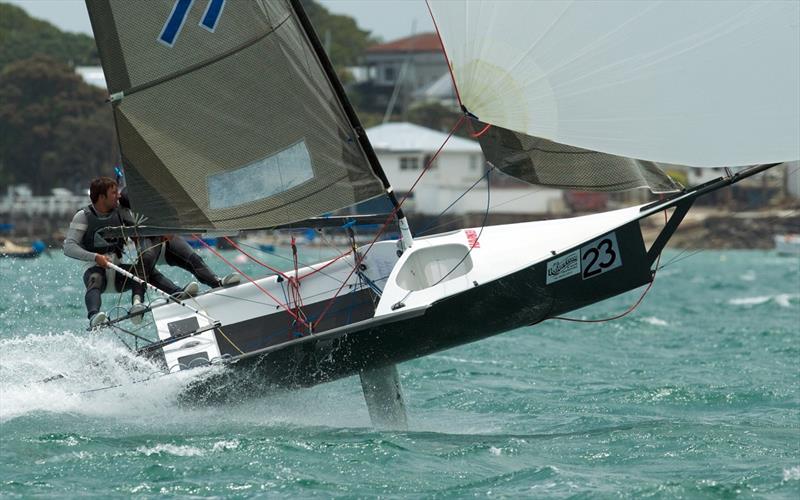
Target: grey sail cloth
point(547, 163)
point(228, 120)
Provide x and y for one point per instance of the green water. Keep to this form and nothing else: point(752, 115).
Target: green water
point(695, 395)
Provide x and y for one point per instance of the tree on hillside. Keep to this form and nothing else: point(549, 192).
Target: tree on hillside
point(54, 128)
point(22, 36)
point(344, 41)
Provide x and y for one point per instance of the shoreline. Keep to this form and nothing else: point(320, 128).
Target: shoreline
point(702, 228)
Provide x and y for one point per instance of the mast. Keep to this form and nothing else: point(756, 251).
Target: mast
point(305, 22)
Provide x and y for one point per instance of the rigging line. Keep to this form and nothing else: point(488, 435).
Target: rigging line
point(135, 238)
point(360, 258)
point(290, 260)
point(483, 225)
point(481, 132)
point(325, 265)
point(631, 308)
point(219, 329)
point(485, 175)
point(251, 280)
point(446, 57)
point(675, 258)
point(234, 245)
point(473, 245)
point(675, 261)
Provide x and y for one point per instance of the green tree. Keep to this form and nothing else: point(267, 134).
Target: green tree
point(343, 40)
point(22, 36)
point(53, 127)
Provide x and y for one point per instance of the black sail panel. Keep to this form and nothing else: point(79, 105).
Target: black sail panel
point(547, 163)
point(227, 119)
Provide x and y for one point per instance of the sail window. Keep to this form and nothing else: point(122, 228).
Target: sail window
point(261, 179)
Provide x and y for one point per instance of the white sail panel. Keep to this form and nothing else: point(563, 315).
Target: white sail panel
point(702, 83)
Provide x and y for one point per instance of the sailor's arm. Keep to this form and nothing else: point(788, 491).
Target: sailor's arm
point(72, 242)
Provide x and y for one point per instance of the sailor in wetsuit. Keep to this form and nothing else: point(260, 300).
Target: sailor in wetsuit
point(83, 242)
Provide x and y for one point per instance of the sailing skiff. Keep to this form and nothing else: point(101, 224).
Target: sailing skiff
point(230, 117)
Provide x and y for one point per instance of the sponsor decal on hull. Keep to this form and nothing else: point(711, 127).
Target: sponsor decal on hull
point(563, 267)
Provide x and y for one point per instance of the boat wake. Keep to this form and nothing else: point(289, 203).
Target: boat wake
point(67, 373)
point(96, 377)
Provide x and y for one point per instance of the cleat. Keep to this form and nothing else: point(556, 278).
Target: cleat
point(232, 279)
point(98, 319)
point(188, 291)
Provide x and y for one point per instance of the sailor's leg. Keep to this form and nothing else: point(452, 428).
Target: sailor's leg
point(95, 280)
point(384, 397)
point(145, 266)
point(123, 284)
point(179, 253)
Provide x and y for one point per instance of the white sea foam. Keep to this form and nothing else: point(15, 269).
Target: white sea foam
point(792, 474)
point(134, 390)
point(750, 301)
point(785, 299)
point(750, 275)
point(226, 445)
point(495, 451)
point(170, 449)
point(652, 320)
point(85, 363)
point(782, 299)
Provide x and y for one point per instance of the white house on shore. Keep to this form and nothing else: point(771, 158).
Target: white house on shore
point(404, 149)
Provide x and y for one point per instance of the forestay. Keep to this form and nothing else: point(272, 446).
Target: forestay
point(704, 83)
point(226, 118)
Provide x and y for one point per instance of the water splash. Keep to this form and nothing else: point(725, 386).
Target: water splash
point(68, 373)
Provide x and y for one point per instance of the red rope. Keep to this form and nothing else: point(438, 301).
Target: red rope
point(483, 131)
point(630, 309)
point(313, 271)
point(281, 304)
point(234, 245)
point(447, 59)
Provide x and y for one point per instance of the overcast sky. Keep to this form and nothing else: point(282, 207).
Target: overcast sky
point(388, 19)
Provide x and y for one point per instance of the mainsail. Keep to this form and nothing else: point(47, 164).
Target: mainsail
point(703, 83)
point(225, 114)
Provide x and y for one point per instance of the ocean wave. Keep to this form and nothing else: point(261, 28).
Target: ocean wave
point(782, 299)
point(170, 449)
point(792, 474)
point(652, 320)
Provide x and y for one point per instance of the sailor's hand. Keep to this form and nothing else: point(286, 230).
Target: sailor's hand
point(101, 260)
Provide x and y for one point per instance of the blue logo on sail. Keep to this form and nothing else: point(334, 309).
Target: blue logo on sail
point(177, 18)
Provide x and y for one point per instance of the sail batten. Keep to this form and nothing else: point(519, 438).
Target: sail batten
point(232, 128)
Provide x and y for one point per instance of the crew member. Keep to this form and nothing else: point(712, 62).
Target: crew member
point(84, 242)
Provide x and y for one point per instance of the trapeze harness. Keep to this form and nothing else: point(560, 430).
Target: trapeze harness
point(93, 242)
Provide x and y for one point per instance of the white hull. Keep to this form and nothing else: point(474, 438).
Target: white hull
point(435, 268)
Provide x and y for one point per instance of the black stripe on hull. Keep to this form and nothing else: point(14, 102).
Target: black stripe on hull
point(519, 299)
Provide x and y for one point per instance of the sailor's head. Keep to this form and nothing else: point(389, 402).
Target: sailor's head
point(104, 194)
